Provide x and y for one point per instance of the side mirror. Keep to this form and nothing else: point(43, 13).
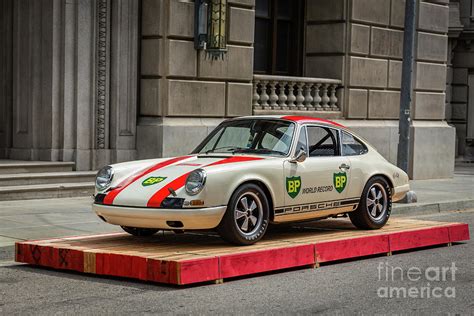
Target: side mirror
point(300, 156)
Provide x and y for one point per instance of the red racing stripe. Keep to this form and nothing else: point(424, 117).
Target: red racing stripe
point(178, 183)
point(296, 118)
point(109, 198)
point(233, 159)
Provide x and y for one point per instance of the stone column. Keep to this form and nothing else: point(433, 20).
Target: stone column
point(6, 79)
point(123, 79)
point(84, 96)
point(36, 79)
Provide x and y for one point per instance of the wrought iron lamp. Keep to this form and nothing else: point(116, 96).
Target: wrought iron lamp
point(210, 27)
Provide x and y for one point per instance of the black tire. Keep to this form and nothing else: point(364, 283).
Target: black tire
point(375, 205)
point(247, 216)
point(140, 232)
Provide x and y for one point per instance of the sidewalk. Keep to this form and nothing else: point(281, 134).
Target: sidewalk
point(38, 219)
point(442, 195)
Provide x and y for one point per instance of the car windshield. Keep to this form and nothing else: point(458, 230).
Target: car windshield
point(255, 136)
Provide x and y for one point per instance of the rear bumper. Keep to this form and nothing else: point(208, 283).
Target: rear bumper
point(400, 192)
point(202, 218)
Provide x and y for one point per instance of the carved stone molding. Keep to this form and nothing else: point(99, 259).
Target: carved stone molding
point(102, 72)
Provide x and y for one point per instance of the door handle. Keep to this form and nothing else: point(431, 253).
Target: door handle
point(344, 166)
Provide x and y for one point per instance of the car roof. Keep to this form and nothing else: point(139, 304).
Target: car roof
point(300, 119)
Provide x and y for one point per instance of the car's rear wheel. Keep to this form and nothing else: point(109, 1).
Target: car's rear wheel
point(140, 232)
point(247, 216)
point(375, 205)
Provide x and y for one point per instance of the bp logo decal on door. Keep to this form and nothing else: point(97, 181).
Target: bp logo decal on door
point(152, 180)
point(340, 180)
point(293, 186)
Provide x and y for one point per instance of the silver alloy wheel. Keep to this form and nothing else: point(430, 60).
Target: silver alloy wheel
point(376, 201)
point(248, 213)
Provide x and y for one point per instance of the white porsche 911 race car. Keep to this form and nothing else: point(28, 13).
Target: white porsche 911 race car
point(250, 172)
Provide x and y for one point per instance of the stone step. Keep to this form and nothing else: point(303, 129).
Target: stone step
point(46, 178)
point(15, 167)
point(46, 191)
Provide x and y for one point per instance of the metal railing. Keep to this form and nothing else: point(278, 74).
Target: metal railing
point(280, 93)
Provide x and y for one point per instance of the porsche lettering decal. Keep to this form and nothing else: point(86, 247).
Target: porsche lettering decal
point(320, 206)
point(152, 181)
point(293, 186)
point(340, 181)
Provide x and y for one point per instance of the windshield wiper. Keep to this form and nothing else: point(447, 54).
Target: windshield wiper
point(228, 148)
point(261, 150)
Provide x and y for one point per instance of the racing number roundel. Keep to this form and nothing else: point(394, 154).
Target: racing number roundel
point(293, 186)
point(340, 181)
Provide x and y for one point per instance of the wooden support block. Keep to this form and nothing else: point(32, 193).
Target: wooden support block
point(219, 281)
point(266, 260)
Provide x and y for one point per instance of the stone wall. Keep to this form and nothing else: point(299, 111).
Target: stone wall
point(178, 81)
point(461, 79)
point(65, 96)
point(361, 43)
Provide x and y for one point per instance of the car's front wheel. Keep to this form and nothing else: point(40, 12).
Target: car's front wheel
point(140, 232)
point(375, 205)
point(247, 216)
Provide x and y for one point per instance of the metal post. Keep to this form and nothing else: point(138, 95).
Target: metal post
point(406, 86)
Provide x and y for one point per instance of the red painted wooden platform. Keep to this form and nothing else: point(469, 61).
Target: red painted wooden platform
point(194, 258)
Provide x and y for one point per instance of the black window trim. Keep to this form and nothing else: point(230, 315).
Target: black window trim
point(357, 139)
point(339, 136)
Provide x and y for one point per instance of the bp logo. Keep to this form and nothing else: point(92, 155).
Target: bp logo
point(340, 180)
point(293, 186)
point(152, 181)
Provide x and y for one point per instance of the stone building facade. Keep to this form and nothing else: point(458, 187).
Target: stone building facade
point(103, 81)
point(460, 77)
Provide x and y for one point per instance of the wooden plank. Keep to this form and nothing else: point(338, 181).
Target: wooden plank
point(198, 270)
point(352, 248)
point(233, 265)
point(418, 238)
point(121, 265)
point(458, 232)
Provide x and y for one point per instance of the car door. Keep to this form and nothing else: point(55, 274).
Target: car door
point(355, 150)
point(321, 181)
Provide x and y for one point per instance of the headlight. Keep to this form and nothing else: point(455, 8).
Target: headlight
point(195, 182)
point(104, 178)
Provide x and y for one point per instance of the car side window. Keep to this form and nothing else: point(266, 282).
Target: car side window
point(322, 141)
point(351, 146)
point(302, 141)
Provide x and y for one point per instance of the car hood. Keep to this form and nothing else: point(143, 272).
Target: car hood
point(150, 185)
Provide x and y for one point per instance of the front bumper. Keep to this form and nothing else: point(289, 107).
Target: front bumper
point(195, 218)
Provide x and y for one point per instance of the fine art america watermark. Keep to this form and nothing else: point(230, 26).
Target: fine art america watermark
point(415, 282)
